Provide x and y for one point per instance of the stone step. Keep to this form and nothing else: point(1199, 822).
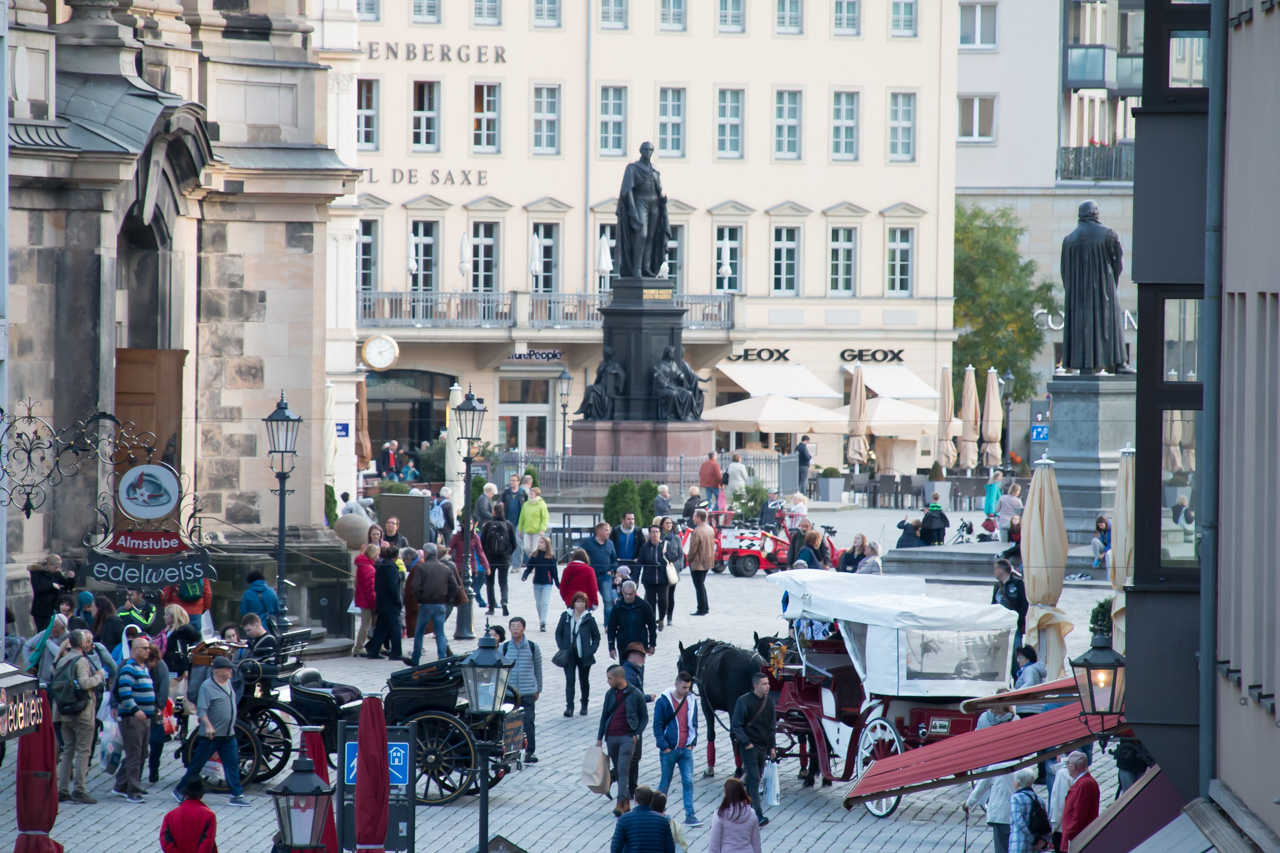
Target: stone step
point(972, 560)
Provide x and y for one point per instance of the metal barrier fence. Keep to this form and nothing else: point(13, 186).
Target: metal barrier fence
point(596, 473)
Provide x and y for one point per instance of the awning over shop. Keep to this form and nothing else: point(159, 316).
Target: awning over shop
point(772, 413)
point(894, 380)
point(1062, 690)
point(1006, 747)
point(787, 380)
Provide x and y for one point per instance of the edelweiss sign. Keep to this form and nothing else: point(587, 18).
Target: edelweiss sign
point(126, 570)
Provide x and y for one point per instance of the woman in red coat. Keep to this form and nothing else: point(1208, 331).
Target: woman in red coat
point(365, 596)
point(578, 576)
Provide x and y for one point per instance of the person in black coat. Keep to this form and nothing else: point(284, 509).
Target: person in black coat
point(910, 537)
point(498, 541)
point(388, 601)
point(652, 560)
point(578, 633)
point(631, 621)
point(48, 582)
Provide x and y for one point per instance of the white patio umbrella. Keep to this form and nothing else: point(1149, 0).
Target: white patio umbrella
point(857, 421)
point(773, 413)
point(1044, 564)
point(604, 257)
point(1188, 443)
point(969, 418)
point(992, 420)
point(464, 254)
point(535, 253)
point(1120, 557)
point(946, 455)
point(453, 447)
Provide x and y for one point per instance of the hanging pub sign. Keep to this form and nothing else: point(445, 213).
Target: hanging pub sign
point(21, 711)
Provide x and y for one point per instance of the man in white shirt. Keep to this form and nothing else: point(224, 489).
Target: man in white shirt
point(1058, 799)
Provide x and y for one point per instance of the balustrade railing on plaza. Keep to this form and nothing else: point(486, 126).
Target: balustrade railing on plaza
point(597, 473)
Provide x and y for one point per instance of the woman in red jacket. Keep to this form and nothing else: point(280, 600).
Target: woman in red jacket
point(365, 596)
point(578, 576)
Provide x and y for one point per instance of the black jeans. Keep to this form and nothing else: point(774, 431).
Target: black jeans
point(501, 571)
point(386, 628)
point(699, 587)
point(584, 684)
point(656, 596)
point(671, 601)
point(530, 706)
point(752, 767)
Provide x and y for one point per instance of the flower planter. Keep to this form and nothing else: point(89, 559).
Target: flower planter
point(829, 488)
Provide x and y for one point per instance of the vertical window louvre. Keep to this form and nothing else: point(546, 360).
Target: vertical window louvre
point(790, 16)
point(786, 127)
point(484, 257)
point(609, 231)
point(488, 13)
point(613, 120)
point(729, 124)
point(728, 255)
point(613, 14)
point(848, 17)
point(367, 114)
point(977, 119)
point(844, 126)
point(675, 258)
point(977, 25)
point(732, 16)
point(546, 120)
point(484, 134)
point(426, 117)
point(546, 13)
point(786, 251)
point(547, 275)
point(426, 11)
point(367, 255)
point(422, 236)
point(902, 19)
point(844, 260)
point(901, 246)
point(367, 10)
point(673, 15)
point(902, 126)
point(671, 122)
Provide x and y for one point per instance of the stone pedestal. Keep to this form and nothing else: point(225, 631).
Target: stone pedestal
point(1093, 418)
point(694, 439)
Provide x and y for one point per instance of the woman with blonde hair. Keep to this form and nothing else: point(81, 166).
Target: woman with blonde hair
point(48, 581)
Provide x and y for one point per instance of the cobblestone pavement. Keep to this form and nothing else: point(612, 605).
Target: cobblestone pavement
point(545, 808)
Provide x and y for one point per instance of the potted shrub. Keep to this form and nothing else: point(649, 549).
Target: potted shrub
point(830, 484)
point(938, 483)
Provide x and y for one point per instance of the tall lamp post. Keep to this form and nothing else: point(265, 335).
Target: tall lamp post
point(282, 437)
point(564, 387)
point(1007, 390)
point(484, 676)
point(470, 418)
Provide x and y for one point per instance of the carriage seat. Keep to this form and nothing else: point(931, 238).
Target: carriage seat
point(308, 687)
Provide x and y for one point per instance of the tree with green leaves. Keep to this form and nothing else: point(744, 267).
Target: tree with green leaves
point(996, 297)
point(621, 499)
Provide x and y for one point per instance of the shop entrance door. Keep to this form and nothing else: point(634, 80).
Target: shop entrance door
point(524, 415)
point(523, 433)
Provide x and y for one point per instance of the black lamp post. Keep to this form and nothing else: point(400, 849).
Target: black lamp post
point(282, 437)
point(564, 387)
point(1100, 678)
point(302, 803)
point(1007, 382)
point(470, 417)
point(484, 676)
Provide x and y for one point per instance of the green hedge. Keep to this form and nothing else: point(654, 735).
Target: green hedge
point(645, 493)
point(621, 499)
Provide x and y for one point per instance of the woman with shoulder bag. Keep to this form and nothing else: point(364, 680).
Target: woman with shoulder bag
point(674, 555)
point(653, 573)
point(577, 638)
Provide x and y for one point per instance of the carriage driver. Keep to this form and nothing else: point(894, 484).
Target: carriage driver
point(753, 729)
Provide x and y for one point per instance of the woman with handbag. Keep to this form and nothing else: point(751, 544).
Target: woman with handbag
point(674, 556)
point(652, 562)
point(577, 638)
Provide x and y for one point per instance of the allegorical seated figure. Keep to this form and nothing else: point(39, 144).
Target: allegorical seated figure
point(598, 399)
point(675, 401)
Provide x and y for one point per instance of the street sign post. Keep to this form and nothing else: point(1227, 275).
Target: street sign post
point(401, 759)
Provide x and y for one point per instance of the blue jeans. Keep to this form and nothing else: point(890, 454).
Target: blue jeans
point(227, 750)
point(608, 595)
point(713, 498)
point(432, 614)
point(684, 759)
point(477, 587)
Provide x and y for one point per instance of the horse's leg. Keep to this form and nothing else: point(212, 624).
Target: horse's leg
point(803, 740)
point(709, 715)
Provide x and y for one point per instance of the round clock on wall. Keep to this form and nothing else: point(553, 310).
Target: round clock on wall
point(380, 352)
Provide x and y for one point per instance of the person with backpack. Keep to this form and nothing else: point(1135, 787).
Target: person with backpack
point(525, 659)
point(1029, 827)
point(76, 678)
point(498, 539)
point(441, 515)
point(193, 596)
point(260, 600)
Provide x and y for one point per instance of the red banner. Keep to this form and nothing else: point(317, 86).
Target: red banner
point(147, 543)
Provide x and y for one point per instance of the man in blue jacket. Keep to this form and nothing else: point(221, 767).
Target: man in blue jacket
point(642, 830)
point(260, 599)
point(675, 729)
point(603, 558)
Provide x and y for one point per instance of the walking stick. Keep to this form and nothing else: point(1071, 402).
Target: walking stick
point(966, 831)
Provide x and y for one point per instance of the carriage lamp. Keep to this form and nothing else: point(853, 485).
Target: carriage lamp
point(1099, 675)
point(302, 803)
point(484, 676)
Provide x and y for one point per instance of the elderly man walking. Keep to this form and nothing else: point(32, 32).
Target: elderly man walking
point(1081, 807)
point(1029, 829)
point(526, 676)
point(631, 621)
point(136, 704)
point(78, 726)
point(216, 713)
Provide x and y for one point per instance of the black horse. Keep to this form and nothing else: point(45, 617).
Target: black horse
point(808, 744)
point(721, 673)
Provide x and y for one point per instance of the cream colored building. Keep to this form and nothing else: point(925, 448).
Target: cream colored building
point(806, 147)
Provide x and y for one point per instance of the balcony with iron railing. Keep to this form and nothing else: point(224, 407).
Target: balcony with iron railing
point(1096, 163)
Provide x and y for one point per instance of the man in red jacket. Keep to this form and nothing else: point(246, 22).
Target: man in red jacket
point(710, 479)
point(192, 827)
point(1081, 807)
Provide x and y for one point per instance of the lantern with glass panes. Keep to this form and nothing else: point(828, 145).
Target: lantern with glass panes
point(302, 804)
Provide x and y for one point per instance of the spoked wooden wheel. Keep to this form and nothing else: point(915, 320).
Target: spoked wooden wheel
point(447, 759)
point(250, 758)
point(879, 739)
point(279, 732)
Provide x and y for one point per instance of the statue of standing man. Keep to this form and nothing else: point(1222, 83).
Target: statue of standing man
point(1093, 331)
point(643, 230)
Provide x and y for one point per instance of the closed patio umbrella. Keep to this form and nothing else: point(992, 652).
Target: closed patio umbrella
point(330, 436)
point(453, 466)
point(1172, 458)
point(373, 777)
point(1044, 563)
point(364, 447)
point(946, 455)
point(1120, 568)
point(857, 423)
point(992, 421)
point(314, 743)
point(1188, 443)
point(970, 425)
point(36, 787)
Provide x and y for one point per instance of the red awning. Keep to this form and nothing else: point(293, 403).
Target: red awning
point(1013, 745)
point(1062, 690)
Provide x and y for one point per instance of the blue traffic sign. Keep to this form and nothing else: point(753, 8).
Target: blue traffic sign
point(349, 762)
point(397, 761)
point(1039, 432)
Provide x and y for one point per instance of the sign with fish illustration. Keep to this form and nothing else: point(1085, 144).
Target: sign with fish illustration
point(148, 492)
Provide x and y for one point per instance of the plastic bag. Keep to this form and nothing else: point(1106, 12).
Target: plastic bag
point(772, 795)
point(107, 709)
point(111, 748)
point(170, 721)
point(595, 770)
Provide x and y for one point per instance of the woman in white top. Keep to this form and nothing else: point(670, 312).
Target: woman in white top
point(738, 477)
point(1007, 507)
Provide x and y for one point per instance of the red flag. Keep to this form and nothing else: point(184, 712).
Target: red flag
point(373, 777)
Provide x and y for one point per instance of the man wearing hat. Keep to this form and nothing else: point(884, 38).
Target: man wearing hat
point(770, 509)
point(192, 825)
point(216, 714)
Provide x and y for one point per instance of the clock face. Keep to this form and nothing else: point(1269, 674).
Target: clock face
point(381, 352)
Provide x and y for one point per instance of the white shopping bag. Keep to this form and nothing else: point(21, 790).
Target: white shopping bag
point(595, 770)
point(772, 794)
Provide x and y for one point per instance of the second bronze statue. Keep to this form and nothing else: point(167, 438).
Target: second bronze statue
point(643, 229)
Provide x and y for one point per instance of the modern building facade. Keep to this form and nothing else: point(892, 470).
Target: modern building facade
point(806, 148)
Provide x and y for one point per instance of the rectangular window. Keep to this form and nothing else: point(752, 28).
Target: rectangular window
point(902, 18)
point(613, 120)
point(613, 14)
point(484, 129)
point(367, 115)
point(978, 25)
point(786, 259)
point(671, 122)
point(790, 17)
point(609, 232)
point(484, 257)
point(902, 126)
point(546, 13)
point(426, 11)
point(367, 255)
point(844, 126)
point(367, 10)
point(673, 15)
point(848, 20)
point(546, 260)
point(977, 119)
point(901, 245)
point(546, 119)
point(488, 13)
point(675, 258)
point(426, 116)
point(786, 125)
point(728, 258)
point(729, 124)
point(423, 235)
point(844, 260)
point(733, 17)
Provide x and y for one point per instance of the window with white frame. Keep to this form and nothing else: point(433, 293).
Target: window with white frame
point(673, 15)
point(901, 262)
point(484, 127)
point(613, 14)
point(790, 17)
point(367, 255)
point(977, 118)
point(786, 125)
point(426, 11)
point(844, 260)
point(786, 259)
point(547, 275)
point(423, 238)
point(613, 120)
point(488, 13)
point(675, 258)
point(426, 116)
point(902, 126)
point(844, 126)
point(546, 13)
point(609, 231)
point(367, 10)
point(728, 258)
point(729, 124)
point(978, 25)
point(546, 119)
point(733, 16)
point(902, 18)
point(671, 122)
point(367, 115)
point(484, 257)
point(848, 17)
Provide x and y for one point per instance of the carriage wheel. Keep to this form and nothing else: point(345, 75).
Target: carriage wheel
point(250, 758)
point(879, 739)
point(447, 760)
point(748, 565)
point(279, 732)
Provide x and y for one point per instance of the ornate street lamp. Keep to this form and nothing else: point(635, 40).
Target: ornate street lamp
point(1100, 678)
point(302, 804)
point(1007, 382)
point(469, 415)
point(484, 677)
point(564, 387)
point(282, 438)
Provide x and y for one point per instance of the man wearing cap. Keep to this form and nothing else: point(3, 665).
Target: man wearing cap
point(192, 827)
point(770, 510)
point(216, 713)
